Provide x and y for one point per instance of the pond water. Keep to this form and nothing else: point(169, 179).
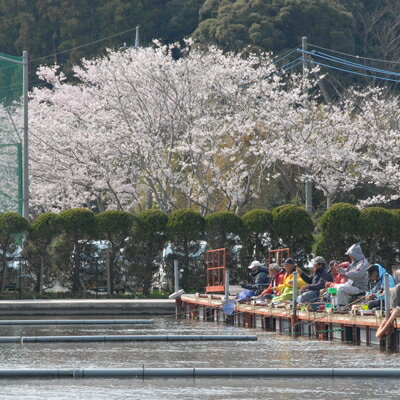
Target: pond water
point(270, 350)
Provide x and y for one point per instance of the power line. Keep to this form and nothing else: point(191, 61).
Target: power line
point(354, 72)
point(354, 56)
point(349, 63)
point(291, 64)
point(285, 55)
point(84, 45)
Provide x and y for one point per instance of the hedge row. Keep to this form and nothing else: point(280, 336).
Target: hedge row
point(376, 228)
point(63, 245)
point(62, 241)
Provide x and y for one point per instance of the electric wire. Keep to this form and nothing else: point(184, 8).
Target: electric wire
point(349, 63)
point(354, 72)
point(354, 56)
point(84, 45)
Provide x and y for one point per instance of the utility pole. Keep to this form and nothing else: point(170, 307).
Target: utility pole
point(25, 145)
point(137, 41)
point(308, 184)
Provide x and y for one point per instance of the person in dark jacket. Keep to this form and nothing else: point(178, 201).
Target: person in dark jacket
point(321, 274)
point(260, 277)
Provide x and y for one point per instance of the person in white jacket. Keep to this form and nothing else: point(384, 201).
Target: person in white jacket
point(356, 273)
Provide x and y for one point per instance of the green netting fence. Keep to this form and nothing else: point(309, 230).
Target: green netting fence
point(11, 129)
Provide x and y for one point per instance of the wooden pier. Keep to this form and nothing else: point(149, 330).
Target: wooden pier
point(326, 325)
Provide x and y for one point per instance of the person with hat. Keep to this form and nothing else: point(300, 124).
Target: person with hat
point(320, 275)
point(356, 274)
point(376, 296)
point(277, 276)
point(286, 288)
point(260, 277)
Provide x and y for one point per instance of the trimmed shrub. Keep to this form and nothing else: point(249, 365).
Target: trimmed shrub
point(79, 225)
point(43, 230)
point(340, 227)
point(11, 224)
point(221, 226)
point(114, 226)
point(256, 236)
point(223, 230)
point(147, 240)
point(341, 218)
point(294, 228)
point(377, 225)
point(185, 229)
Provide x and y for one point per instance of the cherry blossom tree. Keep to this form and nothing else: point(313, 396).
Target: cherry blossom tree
point(193, 131)
point(204, 129)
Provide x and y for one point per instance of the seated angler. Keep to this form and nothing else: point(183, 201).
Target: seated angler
point(356, 274)
point(321, 274)
point(337, 278)
point(260, 278)
point(277, 276)
point(286, 288)
point(376, 296)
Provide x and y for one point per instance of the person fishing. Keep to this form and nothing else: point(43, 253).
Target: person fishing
point(320, 275)
point(260, 277)
point(356, 274)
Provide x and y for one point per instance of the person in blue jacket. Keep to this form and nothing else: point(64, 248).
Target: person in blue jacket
point(376, 295)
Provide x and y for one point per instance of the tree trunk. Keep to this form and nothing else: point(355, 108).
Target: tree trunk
point(149, 199)
point(110, 271)
point(76, 285)
point(328, 202)
point(148, 275)
point(41, 275)
point(4, 273)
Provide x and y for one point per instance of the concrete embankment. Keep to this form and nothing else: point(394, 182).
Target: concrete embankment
point(87, 307)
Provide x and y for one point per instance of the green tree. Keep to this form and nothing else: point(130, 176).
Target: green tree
point(275, 25)
point(377, 228)
point(294, 228)
point(223, 230)
point(114, 227)
point(79, 225)
point(185, 229)
point(148, 237)
point(256, 237)
point(43, 230)
point(340, 228)
point(11, 225)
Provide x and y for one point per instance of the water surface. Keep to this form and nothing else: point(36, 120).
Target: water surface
point(271, 350)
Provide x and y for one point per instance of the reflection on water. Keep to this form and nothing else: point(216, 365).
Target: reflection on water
point(271, 350)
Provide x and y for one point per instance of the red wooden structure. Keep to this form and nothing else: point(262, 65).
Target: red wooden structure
point(278, 256)
point(216, 268)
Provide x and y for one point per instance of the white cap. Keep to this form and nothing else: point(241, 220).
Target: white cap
point(255, 264)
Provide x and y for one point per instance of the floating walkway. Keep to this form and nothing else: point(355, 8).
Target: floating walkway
point(124, 338)
point(84, 307)
point(202, 373)
point(27, 322)
point(347, 327)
